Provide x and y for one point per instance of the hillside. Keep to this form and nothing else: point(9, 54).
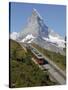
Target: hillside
point(23, 71)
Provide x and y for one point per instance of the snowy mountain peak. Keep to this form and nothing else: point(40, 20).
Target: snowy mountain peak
point(38, 32)
point(29, 38)
point(35, 13)
point(35, 25)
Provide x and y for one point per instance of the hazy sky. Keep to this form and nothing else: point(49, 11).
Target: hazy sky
point(54, 16)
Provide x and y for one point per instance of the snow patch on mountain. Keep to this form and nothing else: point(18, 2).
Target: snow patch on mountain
point(14, 35)
point(55, 40)
point(29, 38)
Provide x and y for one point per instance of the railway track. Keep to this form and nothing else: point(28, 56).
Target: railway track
point(56, 73)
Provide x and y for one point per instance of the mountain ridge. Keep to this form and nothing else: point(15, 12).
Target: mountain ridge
point(40, 33)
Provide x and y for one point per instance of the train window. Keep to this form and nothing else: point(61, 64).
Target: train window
point(45, 62)
point(36, 52)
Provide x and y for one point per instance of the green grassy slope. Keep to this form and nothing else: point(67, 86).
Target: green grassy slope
point(23, 71)
point(59, 59)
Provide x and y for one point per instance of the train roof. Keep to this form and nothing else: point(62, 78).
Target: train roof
point(37, 54)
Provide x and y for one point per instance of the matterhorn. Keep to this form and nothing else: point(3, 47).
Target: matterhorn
point(36, 31)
